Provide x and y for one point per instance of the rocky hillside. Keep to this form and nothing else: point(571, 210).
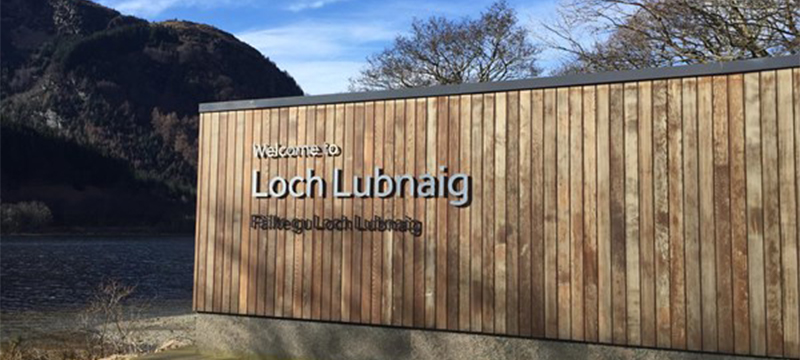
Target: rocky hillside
point(81, 78)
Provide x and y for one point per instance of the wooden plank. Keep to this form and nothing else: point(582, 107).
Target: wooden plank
point(419, 214)
point(377, 239)
point(788, 213)
point(274, 237)
point(430, 214)
point(308, 248)
point(525, 219)
point(604, 248)
point(328, 255)
point(398, 273)
point(244, 265)
point(633, 276)
point(772, 216)
point(537, 215)
point(347, 204)
point(198, 213)
point(694, 327)
point(265, 238)
point(755, 215)
point(511, 217)
point(366, 248)
point(590, 214)
point(337, 264)
point(488, 209)
point(201, 224)
point(617, 201)
point(320, 241)
point(285, 273)
point(796, 102)
point(476, 216)
point(661, 214)
point(741, 307)
point(722, 211)
point(550, 216)
point(563, 213)
point(706, 181)
point(646, 219)
point(253, 252)
point(452, 216)
point(220, 211)
point(294, 305)
point(408, 240)
point(677, 291)
point(358, 210)
point(576, 210)
point(230, 203)
point(212, 212)
point(387, 303)
point(236, 240)
point(441, 219)
point(464, 255)
point(257, 245)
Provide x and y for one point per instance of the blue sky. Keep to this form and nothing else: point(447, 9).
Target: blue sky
point(323, 43)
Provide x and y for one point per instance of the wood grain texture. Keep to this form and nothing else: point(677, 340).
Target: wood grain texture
point(632, 251)
point(677, 291)
point(590, 259)
point(646, 221)
point(476, 219)
point(788, 210)
point(500, 214)
point(563, 231)
point(576, 211)
point(722, 211)
point(420, 213)
point(694, 327)
point(537, 215)
point(550, 213)
point(487, 184)
point(524, 217)
point(658, 213)
point(604, 248)
point(464, 271)
point(705, 144)
point(617, 199)
point(772, 237)
point(755, 215)
point(661, 214)
point(453, 160)
point(741, 295)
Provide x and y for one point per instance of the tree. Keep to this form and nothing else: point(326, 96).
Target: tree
point(493, 47)
point(631, 34)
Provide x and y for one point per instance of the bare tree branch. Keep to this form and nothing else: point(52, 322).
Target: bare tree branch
point(493, 47)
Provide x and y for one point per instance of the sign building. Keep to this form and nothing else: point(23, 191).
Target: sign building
point(654, 208)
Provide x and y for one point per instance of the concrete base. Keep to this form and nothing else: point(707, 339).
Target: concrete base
point(266, 338)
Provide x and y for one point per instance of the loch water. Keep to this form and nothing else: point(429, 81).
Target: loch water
point(46, 281)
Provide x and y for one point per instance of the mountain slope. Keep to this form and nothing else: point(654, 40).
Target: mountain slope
point(121, 87)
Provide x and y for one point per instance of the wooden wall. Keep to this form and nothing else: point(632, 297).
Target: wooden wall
point(656, 213)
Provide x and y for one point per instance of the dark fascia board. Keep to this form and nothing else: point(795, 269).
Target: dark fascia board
point(742, 66)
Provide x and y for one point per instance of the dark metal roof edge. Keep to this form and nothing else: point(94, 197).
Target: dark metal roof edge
point(741, 66)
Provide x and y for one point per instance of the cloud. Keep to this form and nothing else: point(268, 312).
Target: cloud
point(310, 5)
point(321, 56)
point(315, 40)
point(322, 77)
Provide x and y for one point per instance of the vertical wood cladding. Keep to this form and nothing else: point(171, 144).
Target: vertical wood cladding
point(657, 213)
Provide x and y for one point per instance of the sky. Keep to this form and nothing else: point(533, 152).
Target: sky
point(324, 43)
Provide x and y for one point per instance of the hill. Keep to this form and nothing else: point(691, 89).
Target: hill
point(85, 87)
